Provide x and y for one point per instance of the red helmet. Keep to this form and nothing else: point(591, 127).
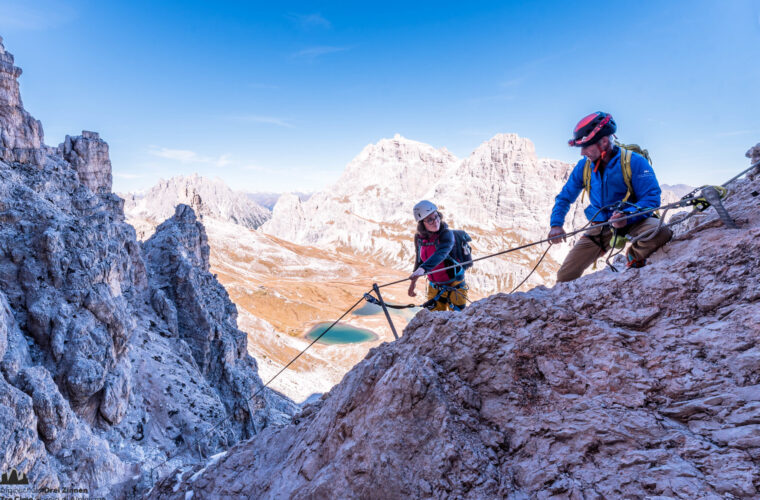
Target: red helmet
point(592, 128)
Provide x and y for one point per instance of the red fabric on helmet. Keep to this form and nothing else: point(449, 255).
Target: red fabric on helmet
point(585, 121)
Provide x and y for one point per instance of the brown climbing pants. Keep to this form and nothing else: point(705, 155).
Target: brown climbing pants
point(586, 250)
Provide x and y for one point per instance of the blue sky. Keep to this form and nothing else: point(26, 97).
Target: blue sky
point(280, 97)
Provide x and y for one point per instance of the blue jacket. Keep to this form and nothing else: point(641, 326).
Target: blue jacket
point(609, 189)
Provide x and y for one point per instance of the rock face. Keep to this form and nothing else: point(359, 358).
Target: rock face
point(88, 153)
point(207, 197)
point(198, 310)
point(22, 136)
point(754, 153)
point(502, 194)
point(112, 357)
point(639, 384)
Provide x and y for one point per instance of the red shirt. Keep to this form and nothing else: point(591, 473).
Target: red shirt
point(427, 249)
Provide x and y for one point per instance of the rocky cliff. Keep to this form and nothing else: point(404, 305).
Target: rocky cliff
point(643, 384)
point(21, 137)
point(113, 356)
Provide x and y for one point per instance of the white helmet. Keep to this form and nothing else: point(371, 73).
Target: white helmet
point(423, 209)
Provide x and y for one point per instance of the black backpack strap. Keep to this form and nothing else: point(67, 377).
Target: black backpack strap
point(417, 259)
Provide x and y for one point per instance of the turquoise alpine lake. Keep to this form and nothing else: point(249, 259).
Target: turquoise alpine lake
point(340, 334)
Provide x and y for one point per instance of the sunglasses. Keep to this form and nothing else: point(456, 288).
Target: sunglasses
point(431, 218)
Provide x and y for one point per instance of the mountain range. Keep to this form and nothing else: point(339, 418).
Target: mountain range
point(502, 194)
point(207, 197)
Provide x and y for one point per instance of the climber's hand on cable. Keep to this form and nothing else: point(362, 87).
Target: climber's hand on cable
point(556, 235)
point(417, 273)
point(618, 224)
point(411, 291)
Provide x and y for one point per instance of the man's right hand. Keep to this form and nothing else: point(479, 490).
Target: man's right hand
point(556, 235)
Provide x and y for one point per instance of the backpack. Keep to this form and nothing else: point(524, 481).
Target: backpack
point(626, 150)
point(461, 253)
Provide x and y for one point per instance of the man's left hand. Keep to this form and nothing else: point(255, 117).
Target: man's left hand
point(618, 224)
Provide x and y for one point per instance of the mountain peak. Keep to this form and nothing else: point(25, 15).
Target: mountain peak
point(509, 141)
point(208, 197)
point(400, 149)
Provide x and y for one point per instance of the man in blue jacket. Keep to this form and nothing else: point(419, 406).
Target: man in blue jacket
point(607, 187)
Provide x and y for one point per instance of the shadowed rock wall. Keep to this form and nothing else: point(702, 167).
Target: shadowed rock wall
point(112, 357)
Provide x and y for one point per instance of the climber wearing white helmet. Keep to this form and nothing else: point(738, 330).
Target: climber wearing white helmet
point(436, 247)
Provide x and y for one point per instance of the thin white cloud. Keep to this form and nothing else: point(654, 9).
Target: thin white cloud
point(181, 155)
point(224, 160)
point(310, 20)
point(187, 156)
point(269, 120)
point(321, 50)
point(37, 16)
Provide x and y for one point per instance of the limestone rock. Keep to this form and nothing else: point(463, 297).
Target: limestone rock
point(754, 154)
point(21, 136)
point(97, 389)
point(209, 198)
point(206, 319)
point(88, 153)
point(642, 384)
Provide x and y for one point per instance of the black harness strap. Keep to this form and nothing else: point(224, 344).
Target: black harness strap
point(372, 300)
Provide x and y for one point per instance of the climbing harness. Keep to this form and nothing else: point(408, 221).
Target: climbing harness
point(372, 300)
point(429, 304)
point(444, 295)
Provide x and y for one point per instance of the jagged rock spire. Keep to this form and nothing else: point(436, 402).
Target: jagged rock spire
point(21, 136)
point(88, 153)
